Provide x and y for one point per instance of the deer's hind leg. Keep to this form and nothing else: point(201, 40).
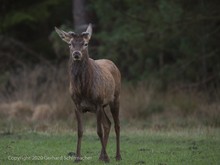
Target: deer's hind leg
point(102, 122)
point(114, 106)
point(106, 124)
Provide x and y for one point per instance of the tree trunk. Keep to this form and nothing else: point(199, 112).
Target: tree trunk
point(79, 15)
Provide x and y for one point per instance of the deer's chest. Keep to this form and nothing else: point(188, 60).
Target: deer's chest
point(83, 100)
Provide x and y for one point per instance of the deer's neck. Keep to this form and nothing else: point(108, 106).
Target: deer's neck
point(81, 73)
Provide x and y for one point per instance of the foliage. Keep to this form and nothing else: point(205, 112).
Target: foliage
point(24, 31)
point(173, 41)
point(164, 41)
point(26, 13)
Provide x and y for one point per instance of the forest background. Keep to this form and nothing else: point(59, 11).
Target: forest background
point(167, 51)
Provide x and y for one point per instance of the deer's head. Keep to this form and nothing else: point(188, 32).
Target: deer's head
point(78, 43)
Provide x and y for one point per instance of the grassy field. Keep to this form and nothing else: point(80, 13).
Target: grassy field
point(196, 146)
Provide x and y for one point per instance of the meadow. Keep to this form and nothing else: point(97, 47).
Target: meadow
point(197, 146)
point(37, 123)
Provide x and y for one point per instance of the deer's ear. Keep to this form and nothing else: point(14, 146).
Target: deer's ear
point(63, 35)
point(88, 33)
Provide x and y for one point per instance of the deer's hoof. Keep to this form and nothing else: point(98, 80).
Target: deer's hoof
point(77, 160)
point(118, 157)
point(104, 159)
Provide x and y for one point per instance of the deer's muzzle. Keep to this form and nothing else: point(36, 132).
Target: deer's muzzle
point(76, 55)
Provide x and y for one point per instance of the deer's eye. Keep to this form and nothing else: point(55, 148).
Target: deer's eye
point(85, 44)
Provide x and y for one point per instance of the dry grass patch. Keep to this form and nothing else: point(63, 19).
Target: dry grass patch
point(40, 97)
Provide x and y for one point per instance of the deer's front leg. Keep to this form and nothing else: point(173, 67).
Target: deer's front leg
point(80, 134)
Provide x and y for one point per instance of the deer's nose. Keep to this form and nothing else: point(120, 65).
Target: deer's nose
point(76, 55)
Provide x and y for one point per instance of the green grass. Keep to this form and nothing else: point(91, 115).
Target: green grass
point(137, 147)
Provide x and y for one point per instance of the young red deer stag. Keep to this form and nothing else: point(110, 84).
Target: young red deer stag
point(94, 84)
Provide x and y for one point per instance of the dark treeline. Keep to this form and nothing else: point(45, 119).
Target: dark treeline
point(165, 42)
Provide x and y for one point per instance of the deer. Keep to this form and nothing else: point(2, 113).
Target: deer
point(94, 85)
